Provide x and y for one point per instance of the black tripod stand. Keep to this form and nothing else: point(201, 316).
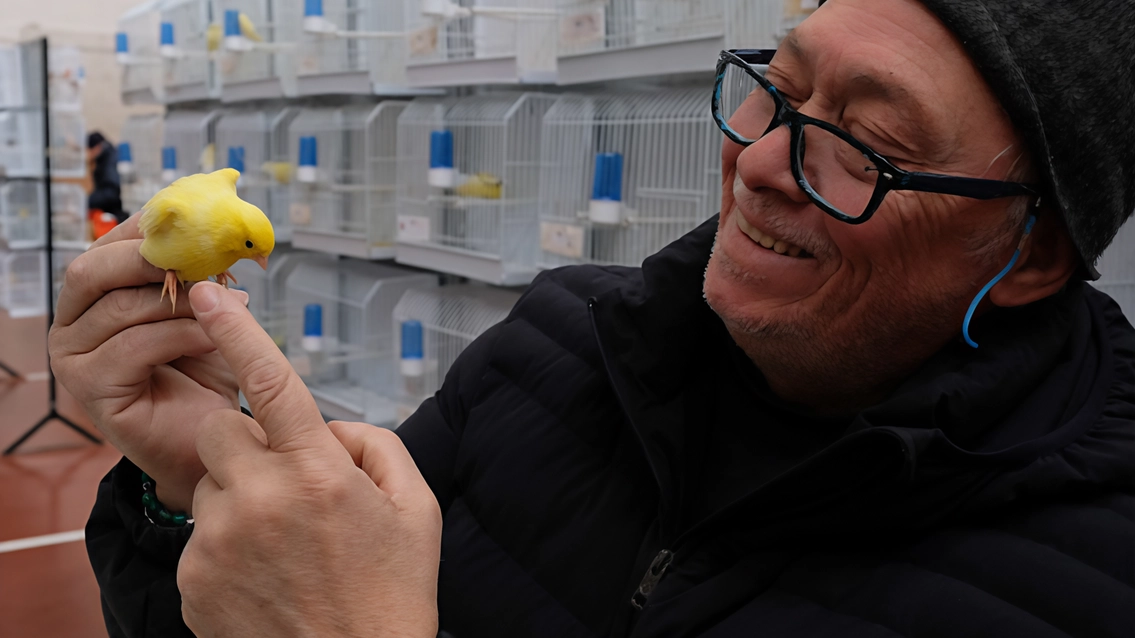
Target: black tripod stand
point(52, 411)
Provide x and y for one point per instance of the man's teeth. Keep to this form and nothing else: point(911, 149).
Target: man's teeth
point(768, 241)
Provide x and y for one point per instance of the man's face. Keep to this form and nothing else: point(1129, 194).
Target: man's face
point(887, 293)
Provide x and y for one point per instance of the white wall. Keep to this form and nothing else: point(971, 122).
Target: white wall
point(90, 26)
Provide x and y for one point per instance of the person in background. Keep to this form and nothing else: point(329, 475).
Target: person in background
point(106, 191)
point(874, 397)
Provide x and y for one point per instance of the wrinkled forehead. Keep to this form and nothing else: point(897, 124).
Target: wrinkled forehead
point(897, 54)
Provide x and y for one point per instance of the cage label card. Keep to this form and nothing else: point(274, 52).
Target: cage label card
point(413, 228)
point(562, 239)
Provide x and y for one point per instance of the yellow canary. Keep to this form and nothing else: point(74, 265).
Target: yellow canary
point(197, 228)
point(482, 185)
point(213, 37)
point(247, 29)
point(279, 171)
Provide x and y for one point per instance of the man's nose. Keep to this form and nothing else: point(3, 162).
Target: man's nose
point(766, 163)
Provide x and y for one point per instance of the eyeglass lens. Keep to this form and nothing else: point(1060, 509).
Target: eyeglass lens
point(837, 171)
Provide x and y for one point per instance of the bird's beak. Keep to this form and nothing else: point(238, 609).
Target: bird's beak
point(263, 261)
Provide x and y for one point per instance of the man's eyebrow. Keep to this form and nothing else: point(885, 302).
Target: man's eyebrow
point(915, 116)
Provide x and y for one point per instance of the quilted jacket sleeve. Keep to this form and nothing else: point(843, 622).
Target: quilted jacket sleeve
point(135, 561)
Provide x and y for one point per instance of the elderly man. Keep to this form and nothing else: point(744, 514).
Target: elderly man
point(819, 450)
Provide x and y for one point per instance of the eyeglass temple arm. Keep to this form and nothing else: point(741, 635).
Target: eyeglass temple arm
point(962, 186)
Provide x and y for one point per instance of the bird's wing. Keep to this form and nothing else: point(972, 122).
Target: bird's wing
point(157, 215)
point(248, 29)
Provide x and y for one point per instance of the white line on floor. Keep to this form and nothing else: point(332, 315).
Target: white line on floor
point(41, 541)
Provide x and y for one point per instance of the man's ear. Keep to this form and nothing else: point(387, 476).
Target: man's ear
point(1048, 259)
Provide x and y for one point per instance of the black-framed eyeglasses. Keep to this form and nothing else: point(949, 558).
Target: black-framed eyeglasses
point(841, 175)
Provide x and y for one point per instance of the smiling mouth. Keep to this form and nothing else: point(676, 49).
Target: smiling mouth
point(768, 242)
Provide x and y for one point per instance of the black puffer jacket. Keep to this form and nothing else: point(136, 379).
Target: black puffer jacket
point(991, 495)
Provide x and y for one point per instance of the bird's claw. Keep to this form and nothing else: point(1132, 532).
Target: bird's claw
point(224, 278)
point(171, 286)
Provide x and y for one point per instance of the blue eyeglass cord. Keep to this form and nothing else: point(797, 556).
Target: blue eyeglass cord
point(993, 282)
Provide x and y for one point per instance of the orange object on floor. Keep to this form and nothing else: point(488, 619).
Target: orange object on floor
point(101, 223)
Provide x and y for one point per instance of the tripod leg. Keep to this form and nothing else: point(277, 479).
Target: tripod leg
point(71, 424)
point(11, 372)
point(27, 435)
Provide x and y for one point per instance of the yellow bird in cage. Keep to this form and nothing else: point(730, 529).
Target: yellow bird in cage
point(482, 186)
point(247, 28)
point(213, 37)
point(281, 172)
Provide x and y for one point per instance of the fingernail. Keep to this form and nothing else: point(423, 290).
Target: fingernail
point(206, 298)
point(241, 295)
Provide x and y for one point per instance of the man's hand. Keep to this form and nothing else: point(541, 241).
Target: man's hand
point(145, 376)
point(302, 528)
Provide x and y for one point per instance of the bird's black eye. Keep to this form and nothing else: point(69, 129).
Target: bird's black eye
point(248, 244)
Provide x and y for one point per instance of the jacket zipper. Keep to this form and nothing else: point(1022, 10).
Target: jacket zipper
point(654, 573)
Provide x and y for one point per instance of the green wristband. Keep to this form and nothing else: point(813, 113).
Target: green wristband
point(155, 511)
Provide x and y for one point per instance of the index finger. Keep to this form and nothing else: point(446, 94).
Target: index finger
point(278, 398)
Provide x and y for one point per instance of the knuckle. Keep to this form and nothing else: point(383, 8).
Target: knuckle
point(78, 274)
point(121, 301)
point(266, 381)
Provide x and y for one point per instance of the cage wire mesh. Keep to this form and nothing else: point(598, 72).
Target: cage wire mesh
point(1117, 270)
point(142, 178)
point(492, 207)
point(22, 286)
point(281, 167)
point(258, 64)
point(352, 42)
point(190, 61)
point(22, 206)
point(349, 363)
point(21, 142)
point(11, 77)
point(595, 25)
point(669, 154)
point(267, 289)
point(189, 144)
point(451, 318)
point(524, 29)
point(345, 187)
point(243, 142)
point(141, 68)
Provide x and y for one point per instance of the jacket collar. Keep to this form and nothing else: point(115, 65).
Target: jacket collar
point(1044, 378)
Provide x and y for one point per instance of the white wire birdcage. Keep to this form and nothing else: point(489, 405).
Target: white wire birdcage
point(450, 318)
point(136, 50)
point(339, 334)
point(468, 185)
point(12, 89)
point(244, 143)
point(189, 37)
point(343, 195)
point(22, 287)
point(1117, 270)
point(624, 174)
point(613, 39)
point(267, 288)
point(21, 142)
point(189, 144)
point(22, 207)
point(140, 160)
point(256, 58)
point(345, 46)
point(474, 42)
point(23, 280)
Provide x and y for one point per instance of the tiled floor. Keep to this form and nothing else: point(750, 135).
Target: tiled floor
point(46, 488)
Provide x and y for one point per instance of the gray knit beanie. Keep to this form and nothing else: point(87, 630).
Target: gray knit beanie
point(1063, 70)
